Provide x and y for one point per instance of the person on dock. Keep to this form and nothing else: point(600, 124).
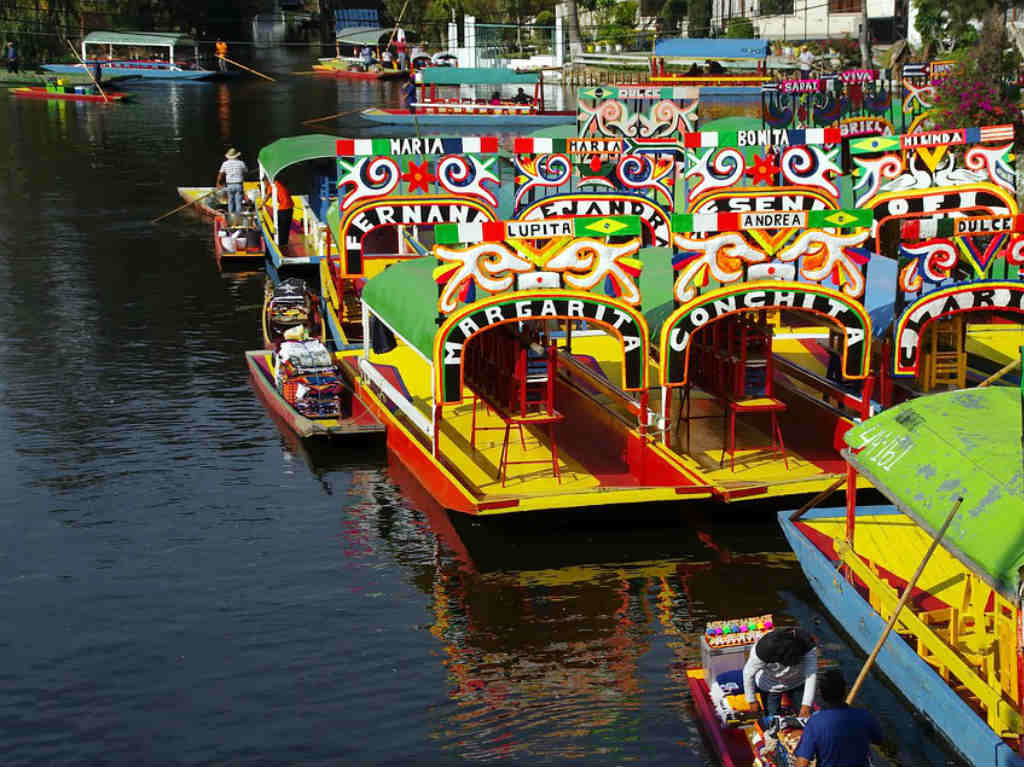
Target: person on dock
point(783, 661)
point(222, 51)
point(12, 57)
point(837, 735)
point(285, 209)
point(806, 60)
point(232, 171)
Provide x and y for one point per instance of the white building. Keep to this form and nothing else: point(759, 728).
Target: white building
point(796, 20)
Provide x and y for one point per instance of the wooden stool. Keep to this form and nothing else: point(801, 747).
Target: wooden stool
point(768, 405)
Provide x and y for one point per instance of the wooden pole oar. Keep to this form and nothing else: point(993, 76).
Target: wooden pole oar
point(397, 23)
point(903, 600)
point(247, 69)
point(331, 117)
point(86, 68)
point(182, 207)
point(1009, 367)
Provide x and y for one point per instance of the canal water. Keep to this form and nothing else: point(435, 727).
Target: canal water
point(181, 581)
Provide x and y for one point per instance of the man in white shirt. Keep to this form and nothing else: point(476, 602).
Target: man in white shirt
point(783, 661)
point(806, 59)
point(233, 171)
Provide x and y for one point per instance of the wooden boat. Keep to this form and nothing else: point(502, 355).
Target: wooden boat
point(291, 311)
point(725, 394)
point(238, 244)
point(309, 240)
point(69, 93)
point(215, 204)
point(729, 724)
point(956, 652)
point(43, 78)
point(351, 68)
point(301, 385)
point(160, 67)
point(441, 101)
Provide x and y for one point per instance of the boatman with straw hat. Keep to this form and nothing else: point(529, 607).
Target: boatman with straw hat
point(233, 171)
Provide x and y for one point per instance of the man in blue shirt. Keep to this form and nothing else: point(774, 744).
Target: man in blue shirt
point(837, 735)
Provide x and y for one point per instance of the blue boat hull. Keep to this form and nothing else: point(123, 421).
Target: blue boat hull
point(149, 74)
point(502, 122)
point(914, 678)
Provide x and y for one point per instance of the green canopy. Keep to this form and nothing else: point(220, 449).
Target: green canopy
point(160, 39)
point(926, 453)
point(361, 35)
point(475, 76)
point(287, 151)
point(405, 296)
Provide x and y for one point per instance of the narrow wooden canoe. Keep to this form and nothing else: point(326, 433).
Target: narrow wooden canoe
point(35, 92)
point(361, 422)
point(210, 204)
point(354, 74)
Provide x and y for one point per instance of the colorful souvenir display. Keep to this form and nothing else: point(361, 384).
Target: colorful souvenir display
point(737, 632)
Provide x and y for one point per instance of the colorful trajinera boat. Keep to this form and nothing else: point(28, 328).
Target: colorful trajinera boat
point(957, 649)
point(300, 383)
point(291, 312)
point(562, 326)
point(479, 97)
point(69, 93)
point(309, 238)
point(159, 67)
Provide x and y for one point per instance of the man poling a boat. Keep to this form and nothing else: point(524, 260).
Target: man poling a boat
point(783, 661)
point(837, 735)
point(232, 172)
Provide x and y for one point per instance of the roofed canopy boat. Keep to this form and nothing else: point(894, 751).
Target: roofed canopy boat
point(159, 67)
point(698, 407)
point(957, 650)
point(465, 96)
point(355, 28)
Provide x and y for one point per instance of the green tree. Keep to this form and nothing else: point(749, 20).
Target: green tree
point(740, 27)
point(698, 18)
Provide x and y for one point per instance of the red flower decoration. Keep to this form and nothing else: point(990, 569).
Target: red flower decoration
point(763, 169)
point(419, 177)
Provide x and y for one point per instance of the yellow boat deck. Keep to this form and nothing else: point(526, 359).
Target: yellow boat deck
point(588, 466)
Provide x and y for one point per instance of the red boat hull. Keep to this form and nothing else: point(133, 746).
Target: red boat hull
point(33, 92)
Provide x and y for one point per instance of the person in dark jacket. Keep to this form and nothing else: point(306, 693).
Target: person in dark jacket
point(837, 735)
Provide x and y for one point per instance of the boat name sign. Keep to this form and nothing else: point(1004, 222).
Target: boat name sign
point(513, 308)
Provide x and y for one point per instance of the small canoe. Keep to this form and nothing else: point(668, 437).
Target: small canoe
point(352, 420)
point(342, 71)
point(42, 78)
point(241, 244)
point(34, 92)
point(290, 305)
point(211, 204)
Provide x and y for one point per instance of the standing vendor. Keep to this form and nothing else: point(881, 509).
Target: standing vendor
point(285, 209)
point(785, 660)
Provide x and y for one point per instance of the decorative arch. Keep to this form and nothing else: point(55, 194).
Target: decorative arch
point(656, 221)
point(989, 199)
point(989, 295)
point(833, 306)
point(403, 209)
point(468, 321)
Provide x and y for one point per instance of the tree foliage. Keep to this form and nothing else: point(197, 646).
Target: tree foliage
point(946, 27)
point(740, 27)
point(698, 18)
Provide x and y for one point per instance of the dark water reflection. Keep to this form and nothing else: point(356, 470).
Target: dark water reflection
point(183, 582)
